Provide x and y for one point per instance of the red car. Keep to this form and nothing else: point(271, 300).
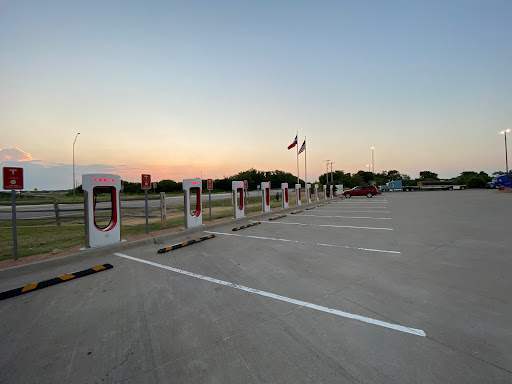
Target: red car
point(366, 190)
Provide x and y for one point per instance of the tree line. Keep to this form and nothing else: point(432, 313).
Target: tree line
point(254, 177)
point(471, 179)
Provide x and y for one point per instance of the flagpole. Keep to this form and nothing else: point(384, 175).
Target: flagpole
point(298, 178)
point(305, 161)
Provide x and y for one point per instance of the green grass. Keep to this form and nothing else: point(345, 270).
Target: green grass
point(36, 240)
point(43, 236)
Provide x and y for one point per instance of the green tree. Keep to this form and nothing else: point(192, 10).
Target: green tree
point(427, 175)
point(476, 182)
point(485, 176)
point(393, 175)
point(464, 177)
point(129, 187)
point(168, 186)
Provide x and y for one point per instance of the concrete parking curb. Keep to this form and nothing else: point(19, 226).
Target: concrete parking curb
point(57, 280)
point(185, 243)
point(246, 226)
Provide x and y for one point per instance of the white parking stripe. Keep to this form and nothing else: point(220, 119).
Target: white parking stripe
point(358, 207)
point(304, 242)
point(321, 225)
point(349, 217)
point(396, 327)
point(367, 202)
point(343, 211)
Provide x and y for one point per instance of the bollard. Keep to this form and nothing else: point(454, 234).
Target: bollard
point(57, 212)
point(163, 211)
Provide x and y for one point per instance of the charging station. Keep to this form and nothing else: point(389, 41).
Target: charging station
point(237, 188)
point(331, 191)
point(193, 213)
point(308, 193)
point(298, 194)
point(325, 192)
point(265, 196)
point(284, 190)
point(317, 194)
point(98, 231)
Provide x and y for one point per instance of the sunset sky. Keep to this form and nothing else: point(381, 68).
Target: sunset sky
point(183, 88)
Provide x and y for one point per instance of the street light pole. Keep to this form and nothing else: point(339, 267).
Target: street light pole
point(327, 171)
point(373, 163)
point(506, 152)
point(332, 175)
point(74, 187)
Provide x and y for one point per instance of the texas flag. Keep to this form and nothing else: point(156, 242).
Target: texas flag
point(294, 143)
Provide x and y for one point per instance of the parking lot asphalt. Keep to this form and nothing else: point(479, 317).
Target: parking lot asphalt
point(399, 288)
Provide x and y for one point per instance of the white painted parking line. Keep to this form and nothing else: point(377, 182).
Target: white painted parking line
point(323, 225)
point(368, 320)
point(360, 207)
point(367, 202)
point(343, 211)
point(303, 242)
point(349, 217)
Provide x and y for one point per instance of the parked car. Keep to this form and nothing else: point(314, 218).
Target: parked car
point(365, 190)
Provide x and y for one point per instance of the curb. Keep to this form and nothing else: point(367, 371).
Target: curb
point(246, 226)
point(185, 243)
point(57, 280)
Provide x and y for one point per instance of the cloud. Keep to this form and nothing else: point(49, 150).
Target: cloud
point(14, 154)
point(59, 176)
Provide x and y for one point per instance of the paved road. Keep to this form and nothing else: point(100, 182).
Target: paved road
point(400, 288)
point(41, 211)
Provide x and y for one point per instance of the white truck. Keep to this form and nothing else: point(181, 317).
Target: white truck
point(396, 185)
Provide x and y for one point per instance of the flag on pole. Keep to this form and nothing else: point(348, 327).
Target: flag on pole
point(294, 143)
point(303, 148)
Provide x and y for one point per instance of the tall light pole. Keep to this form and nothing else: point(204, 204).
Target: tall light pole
point(506, 152)
point(373, 163)
point(74, 187)
point(327, 171)
point(332, 175)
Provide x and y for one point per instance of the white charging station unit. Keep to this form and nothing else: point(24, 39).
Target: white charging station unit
point(325, 192)
point(308, 193)
point(331, 191)
point(193, 218)
point(317, 195)
point(284, 190)
point(237, 188)
point(298, 194)
point(265, 196)
point(93, 185)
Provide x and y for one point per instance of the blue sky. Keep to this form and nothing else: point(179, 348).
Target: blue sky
point(177, 89)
